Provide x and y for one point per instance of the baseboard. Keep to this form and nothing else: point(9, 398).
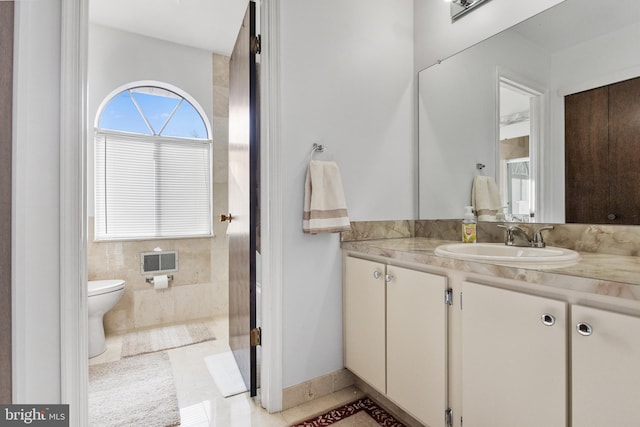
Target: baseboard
point(316, 388)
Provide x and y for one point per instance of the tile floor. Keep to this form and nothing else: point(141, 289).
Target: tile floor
point(202, 404)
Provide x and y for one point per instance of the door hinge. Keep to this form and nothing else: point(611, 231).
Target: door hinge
point(256, 337)
point(256, 45)
point(448, 297)
point(448, 417)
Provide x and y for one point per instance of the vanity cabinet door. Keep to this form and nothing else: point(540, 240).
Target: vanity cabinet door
point(605, 368)
point(514, 359)
point(364, 321)
point(417, 343)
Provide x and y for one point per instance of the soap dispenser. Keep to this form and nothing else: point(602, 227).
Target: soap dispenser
point(468, 226)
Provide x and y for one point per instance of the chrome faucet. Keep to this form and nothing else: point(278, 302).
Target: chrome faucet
point(513, 230)
point(538, 241)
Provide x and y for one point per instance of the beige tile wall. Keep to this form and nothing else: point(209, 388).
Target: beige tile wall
point(595, 238)
point(220, 243)
point(200, 286)
point(189, 296)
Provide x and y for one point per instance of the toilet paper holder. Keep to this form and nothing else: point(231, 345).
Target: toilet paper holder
point(150, 279)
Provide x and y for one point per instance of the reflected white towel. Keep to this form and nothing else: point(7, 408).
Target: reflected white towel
point(485, 198)
point(325, 208)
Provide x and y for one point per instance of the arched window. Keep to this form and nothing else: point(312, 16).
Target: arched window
point(152, 166)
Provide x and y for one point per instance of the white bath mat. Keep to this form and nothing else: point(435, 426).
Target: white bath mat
point(165, 337)
point(224, 371)
point(135, 391)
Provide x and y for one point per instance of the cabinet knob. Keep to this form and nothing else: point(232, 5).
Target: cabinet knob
point(388, 278)
point(584, 329)
point(377, 275)
point(548, 319)
point(611, 217)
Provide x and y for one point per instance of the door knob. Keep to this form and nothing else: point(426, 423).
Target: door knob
point(584, 329)
point(224, 217)
point(548, 319)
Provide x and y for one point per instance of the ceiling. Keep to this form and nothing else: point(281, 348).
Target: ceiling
point(574, 21)
point(211, 25)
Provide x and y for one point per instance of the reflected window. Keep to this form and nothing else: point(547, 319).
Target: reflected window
point(517, 188)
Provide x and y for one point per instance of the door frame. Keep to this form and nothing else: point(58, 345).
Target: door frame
point(539, 137)
point(74, 352)
point(272, 205)
point(73, 233)
point(7, 16)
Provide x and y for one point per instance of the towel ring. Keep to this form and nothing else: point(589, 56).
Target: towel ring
point(317, 148)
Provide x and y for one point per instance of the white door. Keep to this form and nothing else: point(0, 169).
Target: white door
point(364, 321)
point(417, 343)
point(605, 354)
point(514, 359)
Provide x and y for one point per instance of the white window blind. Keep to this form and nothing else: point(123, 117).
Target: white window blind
point(151, 186)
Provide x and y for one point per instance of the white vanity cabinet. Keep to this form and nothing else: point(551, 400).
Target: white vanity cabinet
point(605, 368)
point(395, 332)
point(523, 361)
point(505, 353)
point(514, 358)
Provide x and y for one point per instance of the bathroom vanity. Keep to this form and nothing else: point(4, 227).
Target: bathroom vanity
point(452, 341)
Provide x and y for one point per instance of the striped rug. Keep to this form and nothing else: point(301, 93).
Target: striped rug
point(367, 412)
point(164, 338)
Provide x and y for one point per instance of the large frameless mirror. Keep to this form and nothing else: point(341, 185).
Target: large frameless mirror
point(502, 104)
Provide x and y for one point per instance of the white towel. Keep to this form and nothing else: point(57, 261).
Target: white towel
point(485, 198)
point(325, 208)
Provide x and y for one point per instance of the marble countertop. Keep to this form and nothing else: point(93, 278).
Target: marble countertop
point(603, 274)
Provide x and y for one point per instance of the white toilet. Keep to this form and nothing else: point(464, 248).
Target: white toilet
point(103, 295)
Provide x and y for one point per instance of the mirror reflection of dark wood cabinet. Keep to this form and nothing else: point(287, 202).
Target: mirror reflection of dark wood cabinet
point(602, 155)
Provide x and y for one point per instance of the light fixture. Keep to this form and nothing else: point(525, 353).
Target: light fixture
point(460, 8)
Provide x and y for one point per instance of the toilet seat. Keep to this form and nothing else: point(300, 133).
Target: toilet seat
point(100, 287)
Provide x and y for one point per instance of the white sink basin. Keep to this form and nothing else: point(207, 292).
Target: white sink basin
point(499, 253)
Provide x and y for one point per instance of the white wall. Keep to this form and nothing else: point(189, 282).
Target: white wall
point(437, 38)
point(347, 82)
point(36, 204)
point(117, 58)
